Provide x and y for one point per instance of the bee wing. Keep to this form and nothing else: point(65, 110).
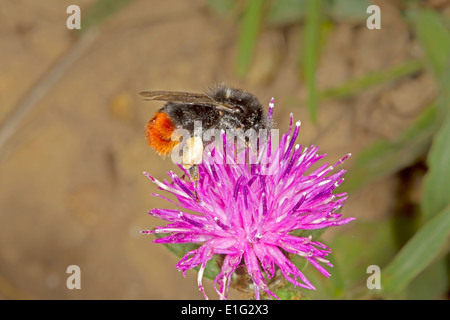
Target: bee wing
point(187, 97)
point(175, 96)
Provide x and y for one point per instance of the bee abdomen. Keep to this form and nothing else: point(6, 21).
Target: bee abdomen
point(159, 132)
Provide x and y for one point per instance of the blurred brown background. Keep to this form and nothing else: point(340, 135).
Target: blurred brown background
point(71, 184)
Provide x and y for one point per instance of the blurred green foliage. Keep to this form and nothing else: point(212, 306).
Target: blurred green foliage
point(419, 269)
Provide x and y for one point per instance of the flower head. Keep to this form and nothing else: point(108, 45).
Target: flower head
point(248, 212)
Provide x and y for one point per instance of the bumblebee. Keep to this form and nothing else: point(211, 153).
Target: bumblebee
point(220, 108)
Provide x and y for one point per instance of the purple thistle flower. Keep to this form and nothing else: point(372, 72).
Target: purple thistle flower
point(247, 213)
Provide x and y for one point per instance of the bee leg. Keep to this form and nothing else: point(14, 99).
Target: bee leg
point(239, 150)
point(195, 191)
point(193, 172)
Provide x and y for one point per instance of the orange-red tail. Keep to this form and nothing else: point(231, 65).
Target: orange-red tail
point(159, 132)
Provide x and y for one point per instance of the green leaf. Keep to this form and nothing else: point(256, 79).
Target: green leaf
point(434, 37)
point(437, 181)
point(420, 251)
point(384, 157)
point(251, 21)
point(354, 86)
point(338, 285)
point(289, 292)
point(430, 284)
point(310, 54)
point(180, 249)
point(435, 40)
